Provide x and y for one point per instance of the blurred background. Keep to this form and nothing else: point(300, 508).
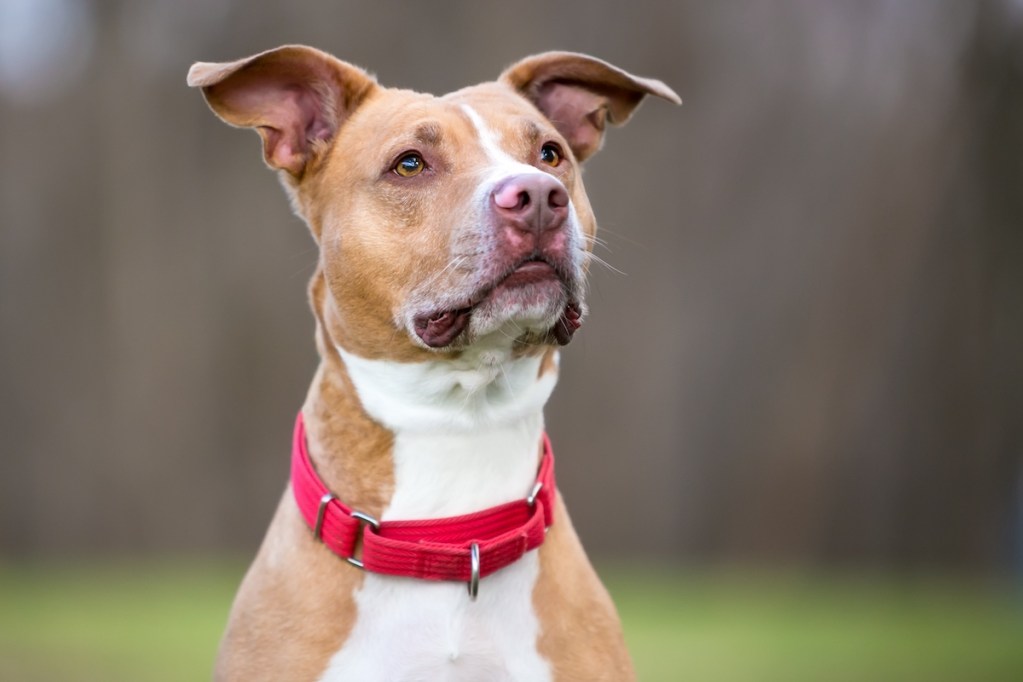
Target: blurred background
point(807, 359)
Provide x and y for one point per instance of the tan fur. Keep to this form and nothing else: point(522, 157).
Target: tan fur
point(549, 364)
point(295, 606)
point(334, 134)
point(580, 633)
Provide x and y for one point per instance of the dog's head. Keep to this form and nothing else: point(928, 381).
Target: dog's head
point(443, 222)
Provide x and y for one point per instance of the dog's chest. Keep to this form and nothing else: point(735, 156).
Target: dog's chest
point(408, 629)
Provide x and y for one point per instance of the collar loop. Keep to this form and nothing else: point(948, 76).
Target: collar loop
point(456, 548)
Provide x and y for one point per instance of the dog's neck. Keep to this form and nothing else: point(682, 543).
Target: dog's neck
point(433, 438)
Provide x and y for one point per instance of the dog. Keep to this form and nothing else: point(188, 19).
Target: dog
point(421, 536)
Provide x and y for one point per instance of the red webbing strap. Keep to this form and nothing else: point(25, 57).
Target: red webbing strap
point(430, 549)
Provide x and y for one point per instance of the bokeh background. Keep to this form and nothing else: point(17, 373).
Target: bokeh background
point(807, 358)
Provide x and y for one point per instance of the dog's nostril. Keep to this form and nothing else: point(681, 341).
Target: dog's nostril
point(512, 196)
point(558, 198)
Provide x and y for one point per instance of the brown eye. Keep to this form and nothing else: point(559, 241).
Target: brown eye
point(410, 165)
point(550, 154)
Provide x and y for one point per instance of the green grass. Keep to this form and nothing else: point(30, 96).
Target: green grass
point(736, 627)
point(130, 621)
point(160, 621)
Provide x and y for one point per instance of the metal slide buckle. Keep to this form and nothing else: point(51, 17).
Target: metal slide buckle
point(320, 513)
point(531, 500)
point(474, 580)
point(366, 520)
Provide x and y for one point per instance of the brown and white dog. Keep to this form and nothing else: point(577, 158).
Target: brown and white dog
point(454, 236)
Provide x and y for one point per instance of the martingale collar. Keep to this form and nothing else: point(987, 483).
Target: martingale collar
point(457, 548)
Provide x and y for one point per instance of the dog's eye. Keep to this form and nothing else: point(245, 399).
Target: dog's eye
point(410, 165)
point(550, 154)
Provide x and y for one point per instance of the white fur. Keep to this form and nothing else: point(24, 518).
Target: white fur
point(466, 437)
point(503, 164)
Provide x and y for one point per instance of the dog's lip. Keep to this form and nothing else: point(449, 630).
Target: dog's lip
point(569, 322)
point(440, 327)
point(529, 271)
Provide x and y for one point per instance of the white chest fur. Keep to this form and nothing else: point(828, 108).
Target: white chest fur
point(466, 438)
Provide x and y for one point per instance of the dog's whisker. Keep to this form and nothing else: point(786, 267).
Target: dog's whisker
point(452, 264)
point(594, 240)
point(620, 237)
point(600, 261)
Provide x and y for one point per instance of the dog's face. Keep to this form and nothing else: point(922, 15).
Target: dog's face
point(423, 246)
point(443, 223)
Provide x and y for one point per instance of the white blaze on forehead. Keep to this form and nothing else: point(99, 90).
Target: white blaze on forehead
point(503, 162)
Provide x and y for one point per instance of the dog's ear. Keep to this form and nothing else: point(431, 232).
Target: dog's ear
point(296, 98)
point(580, 95)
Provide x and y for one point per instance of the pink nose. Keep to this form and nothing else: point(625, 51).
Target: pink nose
point(531, 202)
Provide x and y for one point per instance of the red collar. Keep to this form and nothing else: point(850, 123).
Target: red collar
point(463, 548)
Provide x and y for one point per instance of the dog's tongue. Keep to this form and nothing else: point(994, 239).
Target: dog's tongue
point(441, 329)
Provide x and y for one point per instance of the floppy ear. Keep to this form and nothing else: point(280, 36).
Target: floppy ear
point(295, 97)
point(581, 95)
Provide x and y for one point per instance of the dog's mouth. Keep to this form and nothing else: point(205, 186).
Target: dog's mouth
point(534, 277)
